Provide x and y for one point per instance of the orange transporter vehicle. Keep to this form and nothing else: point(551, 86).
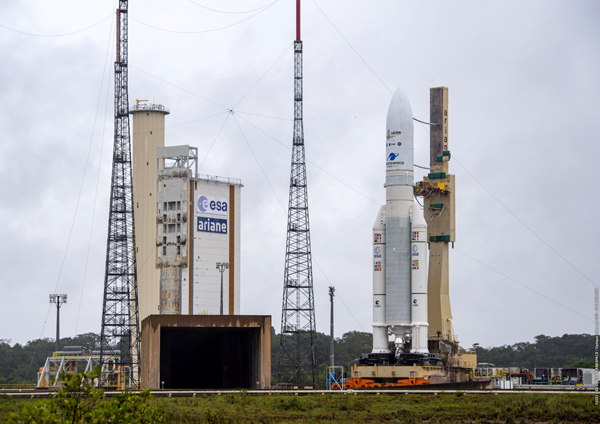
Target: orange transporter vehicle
point(366, 383)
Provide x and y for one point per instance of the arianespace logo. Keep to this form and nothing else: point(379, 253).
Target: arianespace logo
point(393, 156)
point(208, 204)
point(377, 252)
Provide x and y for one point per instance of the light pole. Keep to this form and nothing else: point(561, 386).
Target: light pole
point(331, 354)
point(222, 266)
point(58, 299)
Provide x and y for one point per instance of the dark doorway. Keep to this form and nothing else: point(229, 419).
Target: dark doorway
point(209, 358)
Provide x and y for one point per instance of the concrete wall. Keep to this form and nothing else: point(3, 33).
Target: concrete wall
point(148, 133)
point(224, 324)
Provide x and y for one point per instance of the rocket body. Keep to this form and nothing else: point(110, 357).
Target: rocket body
point(399, 283)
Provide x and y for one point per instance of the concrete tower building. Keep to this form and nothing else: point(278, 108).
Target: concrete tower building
point(148, 134)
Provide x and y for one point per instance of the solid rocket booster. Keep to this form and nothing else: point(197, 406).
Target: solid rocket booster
point(399, 243)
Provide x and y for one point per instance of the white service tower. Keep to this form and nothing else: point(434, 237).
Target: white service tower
point(399, 244)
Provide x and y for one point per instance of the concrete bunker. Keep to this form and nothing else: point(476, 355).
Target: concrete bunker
point(206, 352)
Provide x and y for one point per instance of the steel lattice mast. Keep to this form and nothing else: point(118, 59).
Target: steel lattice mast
point(297, 358)
point(120, 319)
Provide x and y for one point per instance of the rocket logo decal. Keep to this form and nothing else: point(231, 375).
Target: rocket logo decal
point(377, 266)
point(415, 264)
point(377, 238)
point(393, 156)
point(415, 236)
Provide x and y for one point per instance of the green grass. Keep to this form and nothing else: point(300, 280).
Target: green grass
point(362, 408)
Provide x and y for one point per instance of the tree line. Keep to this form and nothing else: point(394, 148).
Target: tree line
point(20, 363)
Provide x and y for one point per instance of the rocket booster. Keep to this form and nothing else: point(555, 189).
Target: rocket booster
point(399, 243)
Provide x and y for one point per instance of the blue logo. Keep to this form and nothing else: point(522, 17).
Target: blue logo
point(393, 156)
point(212, 225)
point(415, 302)
point(399, 144)
point(415, 250)
point(212, 205)
point(377, 252)
point(377, 305)
point(202, 203)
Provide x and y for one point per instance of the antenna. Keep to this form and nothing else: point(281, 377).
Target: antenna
point(297, 358)
point(120, 336)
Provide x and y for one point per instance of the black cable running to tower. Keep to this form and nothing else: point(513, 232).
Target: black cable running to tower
point(297, 358)
point(120, 336)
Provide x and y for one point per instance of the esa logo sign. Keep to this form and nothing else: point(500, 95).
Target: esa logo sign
point(211, 205)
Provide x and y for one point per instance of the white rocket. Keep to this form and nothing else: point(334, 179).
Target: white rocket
point(399, 244)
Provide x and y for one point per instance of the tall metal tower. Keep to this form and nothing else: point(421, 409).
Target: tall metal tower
point(297, 358)
point(120, 319)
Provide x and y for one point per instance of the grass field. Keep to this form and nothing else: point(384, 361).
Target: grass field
point(362, 408)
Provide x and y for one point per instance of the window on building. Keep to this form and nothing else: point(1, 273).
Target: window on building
point(172, 228)
point(164, 218)
point(165, 206)
point(164, 240)
point(178, 239)
point(172, 206)
point(179, 250)
point(164, 250)
point(164, 229)
point(178, 228)
point(178, 206)
point(178, 217)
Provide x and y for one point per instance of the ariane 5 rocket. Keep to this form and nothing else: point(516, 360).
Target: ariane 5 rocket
point(399, 246)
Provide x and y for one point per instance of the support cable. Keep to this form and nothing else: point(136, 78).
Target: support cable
point(353, 49)
point(206, 30)
point(263, 75)
point(257, 162)
point(87, 258)
point(233, 13)
point(523, 223)
point(56, 35)
point(313, 164)
point(523, 285)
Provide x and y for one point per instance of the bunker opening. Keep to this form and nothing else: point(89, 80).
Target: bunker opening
point(209, 358)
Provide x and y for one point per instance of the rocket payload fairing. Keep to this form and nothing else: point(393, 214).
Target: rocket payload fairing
point(400, 245)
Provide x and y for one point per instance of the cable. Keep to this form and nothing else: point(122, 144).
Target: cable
point(423, 122)
point(214, 141)
point(337, 294)
point(419, 166)
point(87, 258)
point(56, 35)
point(176, 86)
point(353, 49)
point(313, 164)
point(257, 162)
point(523, 285)
point(263, 75)
point(207, 30)
point(233, 13)
point(264, 116)
point(525, 225)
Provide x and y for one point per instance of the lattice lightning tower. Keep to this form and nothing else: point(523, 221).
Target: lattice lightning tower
point(297, 358)
point(120, 319)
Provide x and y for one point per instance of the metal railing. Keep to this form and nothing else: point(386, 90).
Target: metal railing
point(150, 106)
point(226, 180)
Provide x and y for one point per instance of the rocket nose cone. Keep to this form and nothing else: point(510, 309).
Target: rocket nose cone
point(399, 134)
point(400, 117)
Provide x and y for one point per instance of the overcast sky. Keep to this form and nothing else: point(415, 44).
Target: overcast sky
point(524, 84)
